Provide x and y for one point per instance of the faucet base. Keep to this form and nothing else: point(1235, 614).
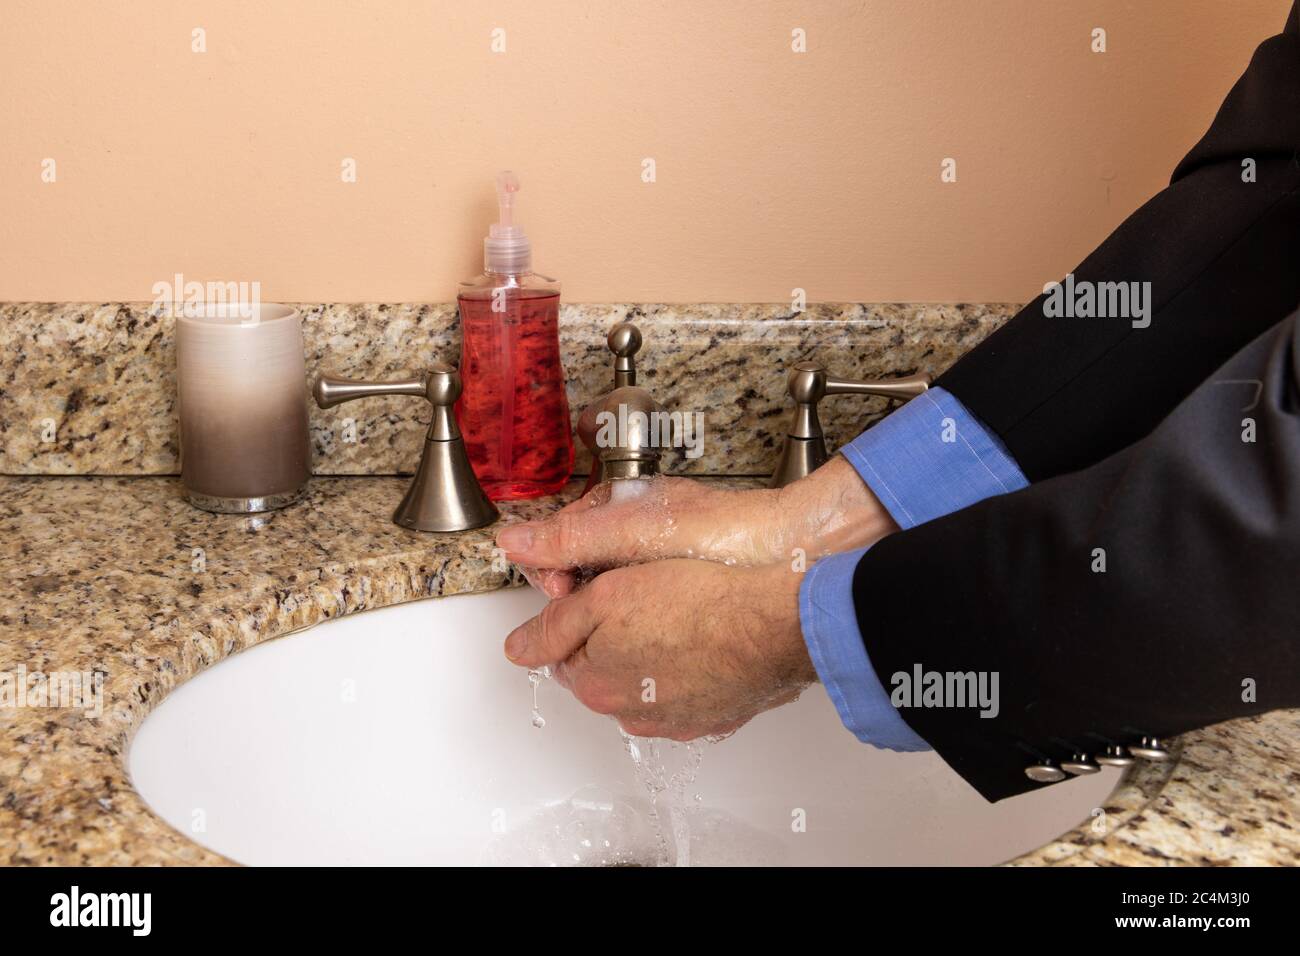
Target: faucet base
point(800, 457)
point(444, 495)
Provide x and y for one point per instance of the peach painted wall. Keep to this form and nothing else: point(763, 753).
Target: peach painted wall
point(775, 169)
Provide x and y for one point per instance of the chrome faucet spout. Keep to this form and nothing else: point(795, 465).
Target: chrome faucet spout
point(629, 434)
point(628, 427)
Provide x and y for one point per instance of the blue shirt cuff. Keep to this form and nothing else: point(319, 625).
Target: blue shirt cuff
point(830, 629)
point(930, 458)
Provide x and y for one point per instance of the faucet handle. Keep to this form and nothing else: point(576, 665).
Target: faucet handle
point(445, 494)
point(809, 381)
point(804, 449)
point(624, 340)
point(331, 390)
point(440, 386)
point(904, 388)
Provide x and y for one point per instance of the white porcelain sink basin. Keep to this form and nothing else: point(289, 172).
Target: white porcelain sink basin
point(403, 736)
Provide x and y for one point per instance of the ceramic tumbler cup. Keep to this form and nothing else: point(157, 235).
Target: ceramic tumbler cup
point(242, 397)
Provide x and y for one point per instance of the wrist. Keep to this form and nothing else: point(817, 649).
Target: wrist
point(834, 510)
point(777, 591)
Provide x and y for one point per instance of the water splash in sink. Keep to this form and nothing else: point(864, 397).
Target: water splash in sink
point(593, 827)
point(598, 827)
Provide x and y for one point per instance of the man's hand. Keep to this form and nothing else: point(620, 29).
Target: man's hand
point(830, 510)
point(678, 649)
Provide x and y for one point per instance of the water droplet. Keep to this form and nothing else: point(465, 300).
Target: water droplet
point(535, 676)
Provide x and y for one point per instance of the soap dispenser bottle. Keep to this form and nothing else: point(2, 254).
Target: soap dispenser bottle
point(513, 410)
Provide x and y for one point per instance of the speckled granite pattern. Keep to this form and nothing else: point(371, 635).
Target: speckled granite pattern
point(102, 376)
point(99, 574)
point(1231, 797)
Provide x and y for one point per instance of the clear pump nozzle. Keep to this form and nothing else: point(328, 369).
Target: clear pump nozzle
point(506, 249)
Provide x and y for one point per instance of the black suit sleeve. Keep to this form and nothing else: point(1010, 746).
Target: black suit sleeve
point(1200, 535)
point(1220, 252)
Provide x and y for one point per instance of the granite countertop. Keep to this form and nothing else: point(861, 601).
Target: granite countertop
point(120, 576)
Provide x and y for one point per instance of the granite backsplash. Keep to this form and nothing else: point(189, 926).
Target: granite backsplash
point(88, 388)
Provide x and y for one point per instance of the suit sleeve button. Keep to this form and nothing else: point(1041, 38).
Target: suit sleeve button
point(1115, 756)
point(1044, 772)
point(1150, 749)
point(1080, 765)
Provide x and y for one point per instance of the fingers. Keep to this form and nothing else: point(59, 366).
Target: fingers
point(578, 677)
point(585, 533)
point(555, 634)
point(554, 584)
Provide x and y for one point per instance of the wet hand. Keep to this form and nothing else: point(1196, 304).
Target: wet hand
point(830, 510)
point(678, 648)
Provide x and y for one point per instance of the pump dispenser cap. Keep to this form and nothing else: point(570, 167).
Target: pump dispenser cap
point(505, 248)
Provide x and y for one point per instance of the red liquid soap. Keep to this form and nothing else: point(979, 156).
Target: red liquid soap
point(513, 410)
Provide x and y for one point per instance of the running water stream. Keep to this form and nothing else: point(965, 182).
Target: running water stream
point(665, 786)
point(667, 791)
